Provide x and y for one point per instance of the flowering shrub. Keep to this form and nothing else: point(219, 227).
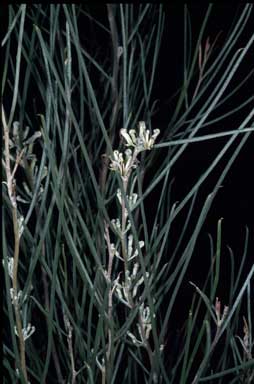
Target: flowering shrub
point(98, 249)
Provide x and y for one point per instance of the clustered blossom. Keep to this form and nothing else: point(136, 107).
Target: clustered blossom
point(114, 251)
point(27, 331)
point(16, 299)
point(141, 142)
point(118, 228)
point(122, 291)
point(145, 315)
point(20, 225)
point(126, 291)
point(144, 141)
point(9, 266)
point(122, 164)
point(132, 199)
point(144, 328)
point(131, 254)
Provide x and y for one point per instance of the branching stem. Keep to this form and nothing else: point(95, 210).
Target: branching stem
point(11, 184)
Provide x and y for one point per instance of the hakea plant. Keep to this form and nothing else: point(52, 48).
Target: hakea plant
point(126, 290)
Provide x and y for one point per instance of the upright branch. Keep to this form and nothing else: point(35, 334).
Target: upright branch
point(127, 290)
point(17, 228)
point(110, 293)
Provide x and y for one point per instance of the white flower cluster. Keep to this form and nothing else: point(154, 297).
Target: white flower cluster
point(27, 331)
point(126, 291)
point(122, 164)
point(143, 141)
point(16, 299)
point(132, 199)
point(20, 225)
point(144, 328)
point(115, 251)
point(9, 266)
point(131, 254)
point(118, 228)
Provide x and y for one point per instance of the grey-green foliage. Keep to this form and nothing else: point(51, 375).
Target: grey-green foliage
point(75, 95)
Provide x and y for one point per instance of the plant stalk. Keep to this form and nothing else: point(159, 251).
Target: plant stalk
point(11, 184)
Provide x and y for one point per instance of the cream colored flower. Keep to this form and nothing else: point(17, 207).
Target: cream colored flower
point(122, 164)
point(144, 140)
point(27, 331)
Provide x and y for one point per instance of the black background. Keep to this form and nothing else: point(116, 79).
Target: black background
point(234, 201)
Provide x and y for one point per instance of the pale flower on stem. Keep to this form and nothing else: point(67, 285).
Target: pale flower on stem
point(20, 225)
point(118, 228)
point(122, 164)
point(144, 327)
point(115, 251)
point(27, 331)
point(144, 141)
point(138, 283)
point(121, 290)
point(132, 199)
point(16, 299)
point(127, 290)
point(9, 266)
point(130, 253)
